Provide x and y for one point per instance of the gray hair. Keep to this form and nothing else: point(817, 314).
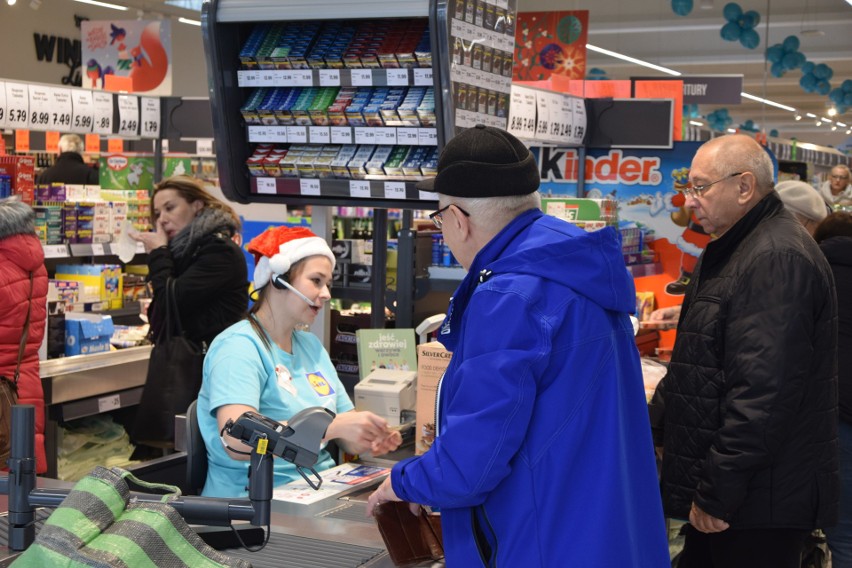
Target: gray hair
point(71, 143)
point(740, 153)
point(499, 211)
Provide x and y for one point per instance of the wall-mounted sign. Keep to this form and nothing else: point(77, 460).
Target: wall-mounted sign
point(61, 50)
point(706, 89)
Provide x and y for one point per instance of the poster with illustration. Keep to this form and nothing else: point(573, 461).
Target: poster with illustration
point(177, 167)
point(550, 43)
point(126, 172)
point(133, 56)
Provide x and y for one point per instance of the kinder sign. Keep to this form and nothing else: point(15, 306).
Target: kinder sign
point(563, 165)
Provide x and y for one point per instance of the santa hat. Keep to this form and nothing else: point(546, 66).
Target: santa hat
point(278, 248)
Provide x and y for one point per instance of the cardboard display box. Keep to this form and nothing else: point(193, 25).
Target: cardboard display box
point(87, 333)
point(432, 361)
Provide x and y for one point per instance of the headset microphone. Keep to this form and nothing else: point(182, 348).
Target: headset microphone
point(282, 284)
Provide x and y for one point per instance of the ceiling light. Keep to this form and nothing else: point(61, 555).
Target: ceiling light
point(818, 123)
point(841, 124)
point(11, 2)
point(833, 128)
point(849, 131)
point(732, 130)
point(102, 4)
point(696, 123)
point(798, 117)
point(832, 111)
point(810, 115)
point(632, 60)
point(767, 102)
point(188, 21)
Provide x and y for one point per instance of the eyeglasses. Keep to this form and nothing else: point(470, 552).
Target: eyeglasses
point(839, 177)
point(438, 216)
point(698, 190)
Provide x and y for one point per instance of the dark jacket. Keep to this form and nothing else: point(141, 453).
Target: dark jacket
point(838, 251)
point(71, 169)
point(211, 286)
point(749, 404)
point(21, 255)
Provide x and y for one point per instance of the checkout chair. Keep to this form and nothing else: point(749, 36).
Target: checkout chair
point(196, 453)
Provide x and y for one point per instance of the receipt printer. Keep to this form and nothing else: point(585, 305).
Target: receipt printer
point(387, 392)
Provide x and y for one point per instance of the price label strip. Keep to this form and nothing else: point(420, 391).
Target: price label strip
point(542, 123)
point(61, 109)
point(17, 105)
point(150, 117)
point(522, 108)
point(128, 115)
point(359, 188)
point(103, 112)
point(309, 187)
point(82, 111)
point(394, 190)
point(266, 186)
point(40, 99)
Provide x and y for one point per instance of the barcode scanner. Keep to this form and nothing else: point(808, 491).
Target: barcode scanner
point(279, 282)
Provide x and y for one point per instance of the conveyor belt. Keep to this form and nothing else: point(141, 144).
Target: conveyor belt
point(349, 512)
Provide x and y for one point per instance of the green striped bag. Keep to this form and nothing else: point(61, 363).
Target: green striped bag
point(97, 526)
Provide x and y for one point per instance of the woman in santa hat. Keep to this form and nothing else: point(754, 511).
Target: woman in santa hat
point(267, 363)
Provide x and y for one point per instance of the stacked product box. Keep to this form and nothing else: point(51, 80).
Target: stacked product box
point(48, 222)
point(335, 44)
point(100, 284)
point(20, 171)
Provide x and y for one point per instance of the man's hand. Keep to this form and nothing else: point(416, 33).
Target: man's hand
point(664, 318)
point(704, 522)
point(382, 495)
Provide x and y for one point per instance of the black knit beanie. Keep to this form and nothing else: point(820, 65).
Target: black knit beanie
point(484, 161)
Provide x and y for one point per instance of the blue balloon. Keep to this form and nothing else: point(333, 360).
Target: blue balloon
point(791, 43)
point(823, 71)
point(790, 61)
point(750, 19)
point(777, 70)
point(775, 53)
point(750, 39)
point(682, 7)
point(808, 67)
point(836, 96)
point(823, 87)
point(732, 11)
point(808, 82)
point(800, 59)
point(773, 133)
point(730, 31)
point(847, 99)
point(847, 85)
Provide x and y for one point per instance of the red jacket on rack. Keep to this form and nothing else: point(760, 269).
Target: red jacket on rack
point(20, 254)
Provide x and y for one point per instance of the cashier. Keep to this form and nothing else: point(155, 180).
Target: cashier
point(269, 364)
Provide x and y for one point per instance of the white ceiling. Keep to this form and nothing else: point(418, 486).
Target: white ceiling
point(651, 31)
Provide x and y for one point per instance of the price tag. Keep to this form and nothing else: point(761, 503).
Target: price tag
point(266, 78)
point(17, 105)
point(55, 251)
point(329, 77)
point(542, 122)
point(51, 142)
point(407, 136)
point(61, 109)
point(3, 111)
point(385, 135)
point(150, 117)
point(397, 77)
point(266, 186)
point(82, 111)
point(22, 140)
point(309, 186)
point(302, 78)
point(341, 135)
point(297, 134)
point(427, 136)
point(265, 133)
point(102, 117)
point(107, 403)
point(128, 115)
point(98, 249)
point(580, 120)
point(423, 77)
point(319, 134)
point(359, 188)
point(204, 146)
point(365, 135)
point(362, 77)
point(247, 79)
point(40, 99)
point(394, 190)
point(93, 143)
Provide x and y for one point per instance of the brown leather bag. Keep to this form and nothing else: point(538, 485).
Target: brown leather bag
point(409, 538)
point(9, 388)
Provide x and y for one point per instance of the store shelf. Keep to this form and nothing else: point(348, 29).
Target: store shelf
point(85, 250)
point(381, 135)
point(396, 191)
point(421, 76)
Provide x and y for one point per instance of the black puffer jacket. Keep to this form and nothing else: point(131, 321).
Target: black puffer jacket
point(749, 404)
point(211, 286)
point(838, 251)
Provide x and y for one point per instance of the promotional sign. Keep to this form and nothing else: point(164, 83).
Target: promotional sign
point(551, 43)
point(126, 172)
point(706, 89)
point(127, 55)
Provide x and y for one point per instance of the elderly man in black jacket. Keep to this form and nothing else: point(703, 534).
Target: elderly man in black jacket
point(748, 409)
point(69, 167)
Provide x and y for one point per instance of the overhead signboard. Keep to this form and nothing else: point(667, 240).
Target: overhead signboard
point(706, 89)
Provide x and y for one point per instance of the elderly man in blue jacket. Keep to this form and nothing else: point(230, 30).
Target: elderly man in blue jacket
point(543, 455)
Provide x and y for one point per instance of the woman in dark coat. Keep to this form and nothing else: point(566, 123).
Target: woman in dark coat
point(194, 245)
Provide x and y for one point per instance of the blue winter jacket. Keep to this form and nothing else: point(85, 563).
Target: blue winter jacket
point(544, 454)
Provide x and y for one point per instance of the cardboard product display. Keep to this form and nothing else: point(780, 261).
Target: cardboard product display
point(432, 361)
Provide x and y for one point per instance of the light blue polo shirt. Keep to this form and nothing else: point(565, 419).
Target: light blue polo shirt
point(240, 369)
